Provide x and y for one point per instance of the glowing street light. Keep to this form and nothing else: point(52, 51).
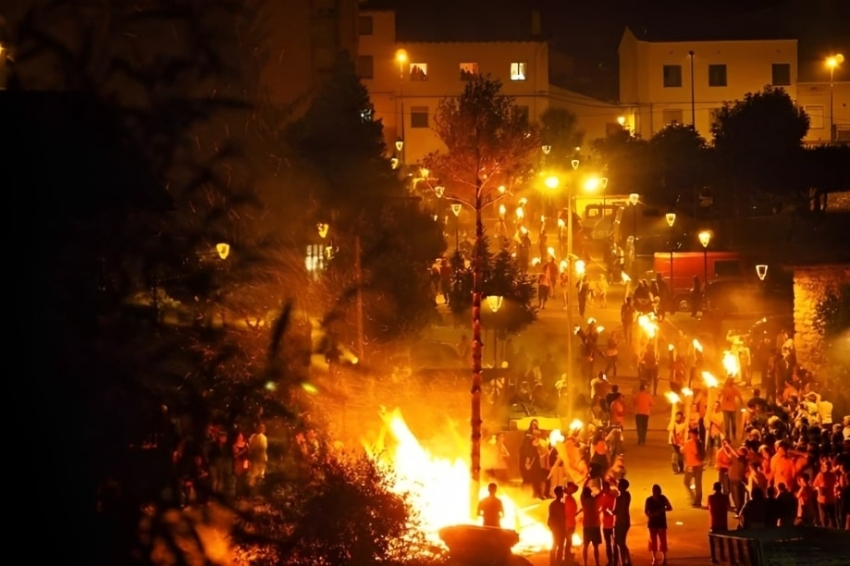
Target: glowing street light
point(761, 271)
point(832, 62)
point(591, 184)
point(574, 164)
point(633, 199)
point(704, 239)
point(394, 162)
point(323, 229)
point(223, 250)
point(456, 208)
point(621, 120)
point(546, 149)
point(494, 302)
point(439, 190)
point(671, 218)
point(552, 182)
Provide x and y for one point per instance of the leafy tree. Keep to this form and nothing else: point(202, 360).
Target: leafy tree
point(759, 142)
point(360, 196)
point(678, 154)
point(504, 278)
point(488, 142)
point(826, 170)
point(559, 129)
point(627, 159)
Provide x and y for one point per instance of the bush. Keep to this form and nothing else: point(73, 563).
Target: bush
point(343, 513)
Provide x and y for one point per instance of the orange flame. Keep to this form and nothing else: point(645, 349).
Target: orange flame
point(439, 490)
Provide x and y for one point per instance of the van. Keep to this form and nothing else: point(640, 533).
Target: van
point(710, 266)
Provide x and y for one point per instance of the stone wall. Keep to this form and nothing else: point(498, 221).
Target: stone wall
point(811, 284)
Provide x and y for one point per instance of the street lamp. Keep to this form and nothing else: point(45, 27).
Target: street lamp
point(223, 251)
point(495, 303)
point(671, 219)
point(832, 62)
point(552, 182)
point(761, 271)
point(634, 198)
point(323, 230)
point(704, 239)
point(621, 120)
point(439, 190)
point(401, 59)
point(546, 149)
point(456, 211)
point(591, 183)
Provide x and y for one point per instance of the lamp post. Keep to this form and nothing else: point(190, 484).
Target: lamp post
point(634, 198)
point(832, 62)
point(704, 239)
point(570, 335)
point(401, 59)
point(693, 103)
point(456, 211)
point(671, 219)
point(761, 271)
point(495, 303)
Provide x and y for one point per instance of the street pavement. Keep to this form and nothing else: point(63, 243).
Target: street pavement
point(645, 465)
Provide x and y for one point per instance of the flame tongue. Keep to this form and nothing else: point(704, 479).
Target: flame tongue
point(439, 489)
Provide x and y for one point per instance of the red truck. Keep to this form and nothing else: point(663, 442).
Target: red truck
point(705, 265)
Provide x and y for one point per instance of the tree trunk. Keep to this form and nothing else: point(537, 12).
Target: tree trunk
point(477, 352)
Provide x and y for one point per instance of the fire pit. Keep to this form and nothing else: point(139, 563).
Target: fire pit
point(472, 545)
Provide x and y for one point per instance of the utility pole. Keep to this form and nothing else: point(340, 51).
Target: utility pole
point(693, 104)
point(477, 352)
point(358, 274)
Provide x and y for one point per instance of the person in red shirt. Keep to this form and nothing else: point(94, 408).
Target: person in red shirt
point(570, 515)
point(607, 501)
point(590, 519)
point(718, 515)
point(825, 485)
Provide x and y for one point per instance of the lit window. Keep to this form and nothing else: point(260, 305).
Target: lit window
point(468, 71)
point(419, 117)
point(418, 71)
point(518, 71)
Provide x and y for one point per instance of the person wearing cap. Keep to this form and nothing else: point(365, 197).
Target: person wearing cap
point(558, 526)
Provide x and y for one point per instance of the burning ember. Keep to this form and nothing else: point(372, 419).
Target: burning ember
point(645, 322)
point(697, 346)
point(709, 379)
point(439, 490)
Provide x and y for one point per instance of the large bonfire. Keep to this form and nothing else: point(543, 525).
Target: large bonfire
point(439, 488)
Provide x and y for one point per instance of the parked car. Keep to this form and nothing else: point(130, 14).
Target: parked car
point(737, 297)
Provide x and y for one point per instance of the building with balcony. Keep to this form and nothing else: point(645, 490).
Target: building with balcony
point(406, 91)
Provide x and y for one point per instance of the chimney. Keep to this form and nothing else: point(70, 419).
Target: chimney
point(535, 23)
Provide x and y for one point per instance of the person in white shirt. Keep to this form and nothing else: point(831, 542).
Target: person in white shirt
point(825, 412)
point(258, 446)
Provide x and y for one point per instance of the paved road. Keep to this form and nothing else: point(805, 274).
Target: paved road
point(645, 465)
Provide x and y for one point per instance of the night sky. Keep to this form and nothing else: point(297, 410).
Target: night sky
point(590, 30)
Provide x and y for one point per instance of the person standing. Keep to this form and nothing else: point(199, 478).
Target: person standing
point(490, 509)
point(729, 397)
point(258, 445)
point(643, 406)
point(607, 502)
point(825, 483)
point(627, 317)
point(694, 456)
point(558, 526)
point(678, 431)
point(592, 533)
point(718, 515)
point(656, 508)
point(622, 523)
point(543, 286)
point(570, 516)
point(583, 292)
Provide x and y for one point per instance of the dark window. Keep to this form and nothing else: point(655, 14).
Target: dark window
point(781, 74)
point(523, 114)
point(419, 117)
point(672, 76)
point(717, 75)
point(727, 268)
point(365, 67)
point(364, 25)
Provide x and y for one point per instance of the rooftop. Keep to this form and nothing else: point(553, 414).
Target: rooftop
point(749, 26)
point(459, 21)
